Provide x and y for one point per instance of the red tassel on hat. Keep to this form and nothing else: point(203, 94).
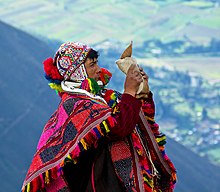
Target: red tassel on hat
point(51, 70)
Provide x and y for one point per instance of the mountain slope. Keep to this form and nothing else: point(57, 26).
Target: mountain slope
point(27, 103)
point(194, 173)
point(24, 105)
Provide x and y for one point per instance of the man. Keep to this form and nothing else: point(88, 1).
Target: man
point(98, 139)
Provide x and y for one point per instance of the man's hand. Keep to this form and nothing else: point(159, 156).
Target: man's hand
point(144, 75)
point(133, 79)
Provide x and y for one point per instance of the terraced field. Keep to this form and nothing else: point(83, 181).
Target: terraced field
point(207, 67)
point(123, 20)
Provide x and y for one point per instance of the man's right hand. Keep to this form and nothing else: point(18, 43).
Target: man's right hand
point(133, 80)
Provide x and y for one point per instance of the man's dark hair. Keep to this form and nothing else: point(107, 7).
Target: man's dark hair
point(93, 54)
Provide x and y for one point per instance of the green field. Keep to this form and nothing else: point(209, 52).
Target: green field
point(207, 67)
point(98, 20)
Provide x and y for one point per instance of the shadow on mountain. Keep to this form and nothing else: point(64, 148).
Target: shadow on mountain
point(27, 103)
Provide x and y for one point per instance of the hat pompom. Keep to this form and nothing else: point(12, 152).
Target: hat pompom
point(51, 70)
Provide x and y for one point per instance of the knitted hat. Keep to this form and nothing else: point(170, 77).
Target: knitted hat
point(69, 59)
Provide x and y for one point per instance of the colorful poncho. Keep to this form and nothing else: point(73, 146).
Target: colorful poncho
point(80, 122)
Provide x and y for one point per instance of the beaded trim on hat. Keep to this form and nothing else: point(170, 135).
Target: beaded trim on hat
point(69, 59)
point(79, 74)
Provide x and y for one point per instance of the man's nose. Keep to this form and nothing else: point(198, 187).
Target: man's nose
point(98, 69)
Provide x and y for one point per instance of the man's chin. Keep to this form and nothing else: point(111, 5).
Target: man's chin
point(98, 79)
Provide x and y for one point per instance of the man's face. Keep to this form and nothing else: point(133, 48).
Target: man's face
point(92, 68)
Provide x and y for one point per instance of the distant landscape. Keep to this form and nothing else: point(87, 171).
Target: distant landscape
point(177, 42)
point(188, 105)
point(173, 39)
point(95, 21)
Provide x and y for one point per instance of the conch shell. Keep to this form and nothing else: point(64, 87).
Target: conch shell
point(124, 64)
point(127, 52)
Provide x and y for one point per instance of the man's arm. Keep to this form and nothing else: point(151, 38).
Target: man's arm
point(126, 112)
